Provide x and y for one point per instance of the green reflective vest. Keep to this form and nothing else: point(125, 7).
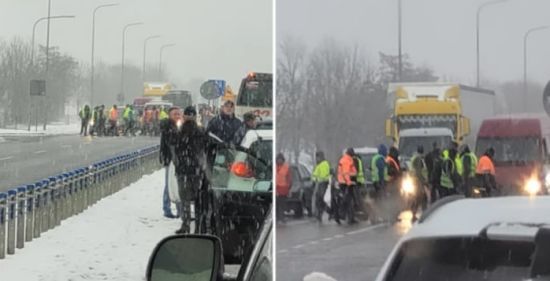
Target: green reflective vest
point(458, 164)
point(374, 168)
point(321, 173)
point(163, 115)
point(126, 114)
point(360, 173)
point(473, 163)
point(446, 180)
point(424, 171)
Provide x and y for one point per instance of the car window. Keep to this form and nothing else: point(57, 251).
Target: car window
point(462, 259)
point(263, 268)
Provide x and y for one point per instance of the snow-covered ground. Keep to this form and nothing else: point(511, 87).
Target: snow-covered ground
point(112, 240)
point(56, 128)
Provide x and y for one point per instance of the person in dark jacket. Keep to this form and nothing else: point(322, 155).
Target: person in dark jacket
point(433, 164)
point(248, 124)
point(168, 138)
point(225, 125)
point(190, 162)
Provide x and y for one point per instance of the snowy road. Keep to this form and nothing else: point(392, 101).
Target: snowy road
point(27, 159)
point(110, 241)
point(305, 248)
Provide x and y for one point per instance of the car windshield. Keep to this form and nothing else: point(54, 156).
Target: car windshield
point(256, 93)
point(408, 145)
point(456, 259)
point(511, 150)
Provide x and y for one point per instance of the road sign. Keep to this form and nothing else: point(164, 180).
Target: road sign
point(37, 87)
point(212, 89)
point(546, 98)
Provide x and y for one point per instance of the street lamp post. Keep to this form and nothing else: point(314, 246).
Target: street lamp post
point(399, 41)
point(93, 49)
point(123, 44)
point(160, 57)
point(525, 38)
point(479, 9)
point(34, 31)
point(143, 70)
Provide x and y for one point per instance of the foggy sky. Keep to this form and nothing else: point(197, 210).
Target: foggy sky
point(437, 33)
point(214, 39)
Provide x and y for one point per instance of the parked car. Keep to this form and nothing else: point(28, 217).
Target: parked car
point(504, 238)
point(301, 192)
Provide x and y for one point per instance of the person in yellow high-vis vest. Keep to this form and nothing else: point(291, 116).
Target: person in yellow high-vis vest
point(469, 164)
point(321, 177)
point(449, 180)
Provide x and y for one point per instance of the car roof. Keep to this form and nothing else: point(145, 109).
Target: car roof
point(468, 217)
point(253, 135)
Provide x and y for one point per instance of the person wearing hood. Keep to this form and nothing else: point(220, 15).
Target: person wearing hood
point(433, 164)
point(225, 125)
point(85, 116)
point(190, 163)
point(485, 170)
point(321, 177)
point(469, 164)
point(394, 168)
point(347, 172)
point(379, 171)
point(168, 140)
point(450, 179)
point(248, 124)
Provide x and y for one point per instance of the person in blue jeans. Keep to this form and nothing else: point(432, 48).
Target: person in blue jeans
point(169, 130)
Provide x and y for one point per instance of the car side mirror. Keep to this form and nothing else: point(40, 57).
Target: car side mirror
point(186, 257)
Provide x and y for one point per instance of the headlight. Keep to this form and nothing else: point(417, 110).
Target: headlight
point(532, 186)
point(407, 185)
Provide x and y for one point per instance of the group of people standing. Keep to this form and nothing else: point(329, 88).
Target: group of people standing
point(187, 145)
point(436, 174)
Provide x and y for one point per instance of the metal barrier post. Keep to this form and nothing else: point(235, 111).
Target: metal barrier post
point(60, 197)
point(45, 206)
point(87, 187)
point(68, 198)
point(12, 202)
point(3, 207)
point(52, 216)
point(77, 192)
point(21, 215)
point(29, 229)
point(38, 210)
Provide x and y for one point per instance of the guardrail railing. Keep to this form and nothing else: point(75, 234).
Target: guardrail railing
point(30, 210)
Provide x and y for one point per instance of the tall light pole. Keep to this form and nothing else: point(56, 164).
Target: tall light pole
point(143, 70)
point(48, 42)
point(399, 36)
point(160, 57)
point(123, 44)
point(479, 9)
point(525, 37)
point(93, 49)
point(34, 31)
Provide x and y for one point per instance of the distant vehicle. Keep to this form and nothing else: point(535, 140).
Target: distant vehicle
point(366, 154)
point(256, 95)
point(504, 238)
point(456, 107)
point(156, 89)
point(410, 139)
point(521, 151)
point(301, 191)
point(179, 98)
point(139, 102)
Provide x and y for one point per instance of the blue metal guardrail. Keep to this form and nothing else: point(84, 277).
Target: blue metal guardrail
point(32, 209)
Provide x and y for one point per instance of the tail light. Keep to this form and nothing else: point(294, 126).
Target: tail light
point(242, 169)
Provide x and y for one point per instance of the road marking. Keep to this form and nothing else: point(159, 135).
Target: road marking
point(298, 246)
point(6, 158)
point(282, 251)
point(339, 236)
point(367, 228)
point(313, 242)
point(328, 239)
point(66, 145)
point(40, 151)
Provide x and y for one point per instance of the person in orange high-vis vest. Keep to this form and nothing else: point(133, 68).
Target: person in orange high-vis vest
point(485, 170)
point(347, 170)
point(113, 117)
point(283, 183)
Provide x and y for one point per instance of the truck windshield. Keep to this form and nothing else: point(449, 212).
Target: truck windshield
point(256, 93)
point(511, 150)
point(462, 259)
point(408, 145)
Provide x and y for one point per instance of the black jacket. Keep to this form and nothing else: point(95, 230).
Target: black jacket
point(224, 127)
point(190, 150)
point(168, 139)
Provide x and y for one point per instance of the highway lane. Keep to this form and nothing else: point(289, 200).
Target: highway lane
point(28, 159)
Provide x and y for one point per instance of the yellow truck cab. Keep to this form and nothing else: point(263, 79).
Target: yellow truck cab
point(423, 113)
